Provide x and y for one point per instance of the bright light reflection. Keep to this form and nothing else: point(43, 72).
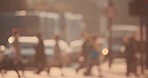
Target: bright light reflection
point(2, 48)
point(11, 39)
point(28, 39)
point(21, 13)
point(105, 51)
point(81, 59)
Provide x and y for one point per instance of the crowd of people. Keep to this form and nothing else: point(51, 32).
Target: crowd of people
point(90, 54)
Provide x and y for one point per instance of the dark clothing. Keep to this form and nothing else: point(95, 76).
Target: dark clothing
point(40, 56)
point(132, 47)
point(91, 56)
point(86, 49)
point(57, 51)
point(17, 54)
point(57, 55)
point(17, 51)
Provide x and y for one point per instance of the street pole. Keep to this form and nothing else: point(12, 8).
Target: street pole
point(142, 43)
point(146, 23)
point(110, 22)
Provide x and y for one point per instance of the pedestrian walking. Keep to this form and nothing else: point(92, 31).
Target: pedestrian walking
point(57, 57)
point(94, 57)
point(85, 53)
point(40, 57)
point(132, 55)
point(17, 60)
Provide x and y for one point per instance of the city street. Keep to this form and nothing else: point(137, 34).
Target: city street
point(117, 71)
point(38, 34)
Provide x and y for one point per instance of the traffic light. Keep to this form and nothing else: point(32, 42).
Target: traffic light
point(138, 7)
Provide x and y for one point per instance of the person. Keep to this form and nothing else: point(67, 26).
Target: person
point(17, 50)
point(86, 49)
point(16, 46)
point(40, 56)
point(132, 55)
point(94, 56)
point(58, 62)
point(57, 51)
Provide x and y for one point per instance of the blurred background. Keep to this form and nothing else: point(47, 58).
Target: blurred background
point(110, 20)
point(54, 16)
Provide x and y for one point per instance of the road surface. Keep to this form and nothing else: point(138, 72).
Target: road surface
point(117, 71)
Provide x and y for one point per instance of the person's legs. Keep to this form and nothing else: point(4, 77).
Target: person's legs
point(48, 69)
point(100, 70)
point(16, 66)
point(16, 70)
point(128, 68)
point(21, 66)
point(82, 65)
point(61, 67)
point(135, 69)
point(88, 69)
point(40, 67)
